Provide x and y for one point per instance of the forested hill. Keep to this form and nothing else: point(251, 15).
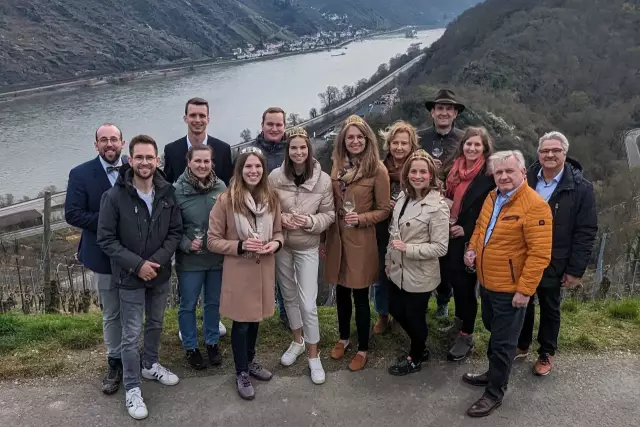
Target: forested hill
point(526, 67)
point(44, 40)
point(569, 64)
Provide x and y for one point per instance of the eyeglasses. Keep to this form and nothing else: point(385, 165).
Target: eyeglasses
point(113, 140)
point(551, 150)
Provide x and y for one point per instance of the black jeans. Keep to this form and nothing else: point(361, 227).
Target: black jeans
point(243, 344)
point(464, 295)
point(504, 322)
point(549, 301)
point(444, 291)
point(409, 310)
point(363, 314)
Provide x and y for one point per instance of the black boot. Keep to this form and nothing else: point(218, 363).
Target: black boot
point(215, 358)
point(195, 359)
point(405, 367)
point(111, 381)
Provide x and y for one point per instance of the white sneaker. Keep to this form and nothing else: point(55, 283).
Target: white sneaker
point(222, 329)
point(291, 355)
point(161, 374)
point(135, 405)
point(180, 335)
point(317, 372)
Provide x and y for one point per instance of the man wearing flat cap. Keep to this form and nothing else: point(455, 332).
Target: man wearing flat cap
point(441, 141)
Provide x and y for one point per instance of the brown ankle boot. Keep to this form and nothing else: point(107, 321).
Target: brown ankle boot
point(382, 324)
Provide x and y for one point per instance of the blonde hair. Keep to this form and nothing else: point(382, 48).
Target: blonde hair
point(434, 181)
point(370, 157)
point(399, 126)
point(264, 192)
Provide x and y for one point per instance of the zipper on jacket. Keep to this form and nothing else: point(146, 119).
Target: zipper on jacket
point(513, 276)
point(485, 233)
point(555, 210)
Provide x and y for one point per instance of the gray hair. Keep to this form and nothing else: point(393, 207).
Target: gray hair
point(502, 156)
point(557, 136)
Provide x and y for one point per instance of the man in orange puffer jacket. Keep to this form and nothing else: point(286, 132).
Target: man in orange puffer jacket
point(510, 248)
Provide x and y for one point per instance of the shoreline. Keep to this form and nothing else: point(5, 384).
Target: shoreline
point(166, 71)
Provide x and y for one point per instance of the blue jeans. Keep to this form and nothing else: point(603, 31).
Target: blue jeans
point(133, 304)
point(191, 283)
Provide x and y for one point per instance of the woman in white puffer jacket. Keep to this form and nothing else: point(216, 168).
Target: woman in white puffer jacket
point(306, 201)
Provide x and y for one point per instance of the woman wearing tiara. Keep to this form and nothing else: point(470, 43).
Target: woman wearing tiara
point(361, 192)
point(306, 200)
point(244, 226)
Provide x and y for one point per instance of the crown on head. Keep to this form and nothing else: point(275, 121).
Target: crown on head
point(354, 119)
point(252, 150)
point(420, 154)
point(297, 131)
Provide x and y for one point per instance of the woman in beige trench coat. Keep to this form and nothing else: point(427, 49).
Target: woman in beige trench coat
point(351, 249)
point(245, 227)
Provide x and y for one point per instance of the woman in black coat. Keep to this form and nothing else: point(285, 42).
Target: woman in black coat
point(468, 184)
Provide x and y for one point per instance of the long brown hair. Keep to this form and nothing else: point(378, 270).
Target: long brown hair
point(288, 168)
point(370, 157)
point(434, 181)
point(263, 193)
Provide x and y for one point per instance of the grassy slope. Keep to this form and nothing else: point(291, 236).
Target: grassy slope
point(54, 345)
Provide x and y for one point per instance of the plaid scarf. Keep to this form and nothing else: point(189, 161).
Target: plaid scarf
point(199, 185)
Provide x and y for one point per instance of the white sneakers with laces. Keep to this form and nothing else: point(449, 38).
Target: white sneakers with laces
point(135, 404)
point(291, 355)
point(161, 374)
point(222, 329)
point(317, 371)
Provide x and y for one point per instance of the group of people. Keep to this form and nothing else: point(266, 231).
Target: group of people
point(440, 212)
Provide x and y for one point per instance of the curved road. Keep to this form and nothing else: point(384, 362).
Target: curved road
point(631, 140)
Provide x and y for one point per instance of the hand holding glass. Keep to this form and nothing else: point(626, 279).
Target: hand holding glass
point(469, 258)
point(349, 205)
point(198, 234)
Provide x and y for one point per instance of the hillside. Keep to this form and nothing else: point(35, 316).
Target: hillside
point(525, 67)
point(45, 40)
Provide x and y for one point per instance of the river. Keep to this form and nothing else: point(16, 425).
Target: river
point(42, 137)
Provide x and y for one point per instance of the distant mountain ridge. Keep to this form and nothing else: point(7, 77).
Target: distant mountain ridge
point(45, 40)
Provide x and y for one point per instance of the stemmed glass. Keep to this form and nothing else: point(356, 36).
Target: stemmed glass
point(349, 205)
point(198, 233)
point(394, 231)
point(436, 151)
point(469, 253)
point(257, 234)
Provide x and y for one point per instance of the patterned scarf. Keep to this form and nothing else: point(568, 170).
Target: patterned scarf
point(246, 227)
point(459, 179)
point(349, 173)
point(394, 173)
point(199, 185)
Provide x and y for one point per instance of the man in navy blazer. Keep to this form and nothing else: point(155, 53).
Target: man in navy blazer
point(196, 116)
point(87, 183)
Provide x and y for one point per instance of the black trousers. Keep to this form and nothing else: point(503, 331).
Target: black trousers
point(363, 314)
point(464, 295)
point(549, 299)
point(504, 322)
point(243, 344)
point(444, 290)
point(409, 310)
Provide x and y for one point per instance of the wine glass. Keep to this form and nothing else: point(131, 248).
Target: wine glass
point(437, 152)
point(394, 231)
point(349, 205)
point(257, 233)
point(198, 233)
point(470, 253)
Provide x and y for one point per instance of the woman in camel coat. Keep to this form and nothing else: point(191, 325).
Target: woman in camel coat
point(352, 253)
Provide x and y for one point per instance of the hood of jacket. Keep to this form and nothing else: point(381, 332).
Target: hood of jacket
point(125, 180)
point(573, 173)
point(268, 146)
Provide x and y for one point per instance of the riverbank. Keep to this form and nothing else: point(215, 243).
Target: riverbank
point(169, 70)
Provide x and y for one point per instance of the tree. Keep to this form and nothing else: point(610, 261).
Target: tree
point(51, 188)
point(348, 91)
point(9, 199)
point(246, 135)
point(330, 98)
point(313, 113)
point(294, 119)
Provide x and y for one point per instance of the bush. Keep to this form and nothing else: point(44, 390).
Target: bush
point(626, 310)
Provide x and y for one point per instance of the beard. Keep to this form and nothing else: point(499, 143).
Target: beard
point(139, 173)
point(112, 161)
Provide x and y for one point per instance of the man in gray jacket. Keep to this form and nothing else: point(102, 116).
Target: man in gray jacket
point(139, 229)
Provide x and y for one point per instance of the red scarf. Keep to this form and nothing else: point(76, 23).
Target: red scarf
point(459, 179)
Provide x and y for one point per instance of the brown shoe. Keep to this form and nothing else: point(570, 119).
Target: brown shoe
point(338, 351)
point(357, 363)
point(543, 365)
point(382, 325)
